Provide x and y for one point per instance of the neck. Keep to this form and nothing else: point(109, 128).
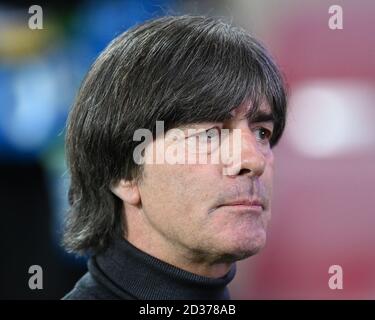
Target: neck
point(134, 272)
point(143, 236)
point(179, 258)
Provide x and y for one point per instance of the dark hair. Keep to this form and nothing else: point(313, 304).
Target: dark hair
point(181, 70)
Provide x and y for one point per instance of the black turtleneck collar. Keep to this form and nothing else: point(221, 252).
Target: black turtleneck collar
point(129, 272)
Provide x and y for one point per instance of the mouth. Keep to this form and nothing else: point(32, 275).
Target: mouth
point(255, 205)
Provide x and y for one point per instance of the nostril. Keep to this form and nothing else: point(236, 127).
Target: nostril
point(244, 171)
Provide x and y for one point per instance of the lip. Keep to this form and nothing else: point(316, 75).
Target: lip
point(252, 205)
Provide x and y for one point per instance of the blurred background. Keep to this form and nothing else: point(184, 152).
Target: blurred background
point(323, 212)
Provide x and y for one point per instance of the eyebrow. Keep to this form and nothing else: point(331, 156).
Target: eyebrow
point(261, 116)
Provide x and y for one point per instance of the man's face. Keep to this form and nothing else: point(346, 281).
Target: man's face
point(204, 214)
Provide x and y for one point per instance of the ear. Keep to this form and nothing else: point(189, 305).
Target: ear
point(127, 191)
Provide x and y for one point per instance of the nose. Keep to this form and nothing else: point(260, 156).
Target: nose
point(249, 160)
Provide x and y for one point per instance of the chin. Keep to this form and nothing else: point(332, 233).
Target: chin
point(244, 247)
point(241, 248)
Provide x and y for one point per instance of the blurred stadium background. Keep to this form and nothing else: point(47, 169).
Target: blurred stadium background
point(323, 211)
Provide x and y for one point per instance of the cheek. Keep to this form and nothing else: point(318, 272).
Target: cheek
point(266, 179)
point(269, 171)
point(203, 185)
point(159, 183)
point(184, 189)
point(164, 184)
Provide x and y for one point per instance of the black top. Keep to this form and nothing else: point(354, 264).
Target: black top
point(125, 272)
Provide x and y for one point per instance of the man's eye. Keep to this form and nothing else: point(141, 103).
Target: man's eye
point(263, 134)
